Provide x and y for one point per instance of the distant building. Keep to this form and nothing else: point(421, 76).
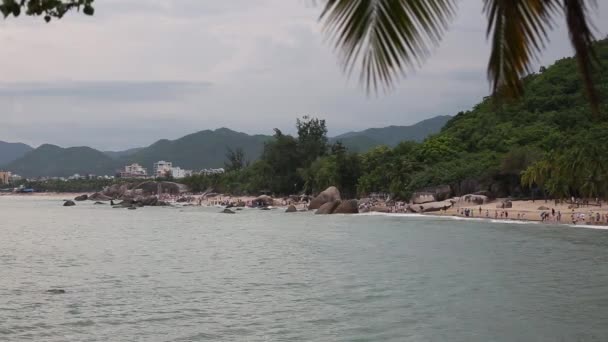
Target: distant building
point(212, 171)
point(162, 168)
point(5, 177)
point(15, 177)
point(75, 176)
point(178, 172)
point(134, 171)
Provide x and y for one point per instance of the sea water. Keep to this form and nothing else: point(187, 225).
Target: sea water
point(193, 274)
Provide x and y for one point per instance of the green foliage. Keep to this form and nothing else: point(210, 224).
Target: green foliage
point(236, 159)
point(47, 8)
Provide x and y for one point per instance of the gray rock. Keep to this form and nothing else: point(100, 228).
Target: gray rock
point(291, 209)
point(423, 197)
point(476, 199)
point(227, 211)
point(504, 205)
point(69, 203)
point(98, 196)
point(347, 207)
point(81, 197)
point(98, 203)
point(330, 194)
point(328, 208)
point(430, 207)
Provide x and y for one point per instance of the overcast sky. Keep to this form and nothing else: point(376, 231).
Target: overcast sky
point(141, 70)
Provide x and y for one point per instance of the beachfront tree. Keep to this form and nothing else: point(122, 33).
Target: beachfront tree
point(386, 38)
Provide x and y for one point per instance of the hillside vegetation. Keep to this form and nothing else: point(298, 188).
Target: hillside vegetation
point(204, 149)
point(548, 136)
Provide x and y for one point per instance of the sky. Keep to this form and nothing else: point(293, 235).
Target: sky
point(143, 70)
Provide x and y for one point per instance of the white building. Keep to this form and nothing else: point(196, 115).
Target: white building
point(212, 171)
point(178, 172)
point(162, 168)
point(134, 171)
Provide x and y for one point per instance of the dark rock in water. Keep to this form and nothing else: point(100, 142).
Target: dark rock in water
point(227, 211)
point(347, 207)
point(69, 203)
point(239, 208)
point(99, 197)
point(56, 291)
point(81, 197)
point(328, 208)
point(98, 203)
point(291, 209)
point(264, 208)
point(330, 194)
point(132, 208)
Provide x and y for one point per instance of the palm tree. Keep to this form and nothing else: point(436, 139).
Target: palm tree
point(388, 37)
point(385, 38)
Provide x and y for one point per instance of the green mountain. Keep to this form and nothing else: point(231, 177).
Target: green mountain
point(122, 154)
point(548, 139)
point(51, 160)
point(203, 149)
point(391, 135)
point(12, 151)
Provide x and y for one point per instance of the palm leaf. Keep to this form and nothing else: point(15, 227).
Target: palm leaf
point(385, 37)
point(582, 39)
point(518, 30)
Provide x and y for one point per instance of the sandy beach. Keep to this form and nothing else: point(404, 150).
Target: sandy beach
point(530, 211)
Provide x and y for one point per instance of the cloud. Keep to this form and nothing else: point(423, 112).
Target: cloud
point(139, 71)
point(150, 91)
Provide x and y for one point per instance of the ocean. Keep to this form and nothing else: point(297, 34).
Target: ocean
point(93, 273)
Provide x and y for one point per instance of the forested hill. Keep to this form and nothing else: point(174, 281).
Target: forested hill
point(12, 151)
point(203, 149)
point(547, 142)
point(490, 146)
point(391, 135)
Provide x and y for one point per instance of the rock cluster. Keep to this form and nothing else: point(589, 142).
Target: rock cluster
point(330, 194)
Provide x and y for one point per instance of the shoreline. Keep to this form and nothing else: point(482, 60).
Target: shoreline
point(521, 212)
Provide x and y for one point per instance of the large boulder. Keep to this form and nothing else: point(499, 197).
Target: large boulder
point(69, 203)
point(291, 209)
point(432, 194)
point(227, 211)
point(153, 187)
point(328, 208)
point(430, 207)
point(330, 194)
point(423, 197)
point(98, 196)
point(347, 207)
point(83, 197)
point(263, 201)
point(148, 201)
point(504, 205)
point(475, 199)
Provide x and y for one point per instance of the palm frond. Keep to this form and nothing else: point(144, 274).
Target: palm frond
point(582, 38)
point(385, 37)
point(518, 30)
